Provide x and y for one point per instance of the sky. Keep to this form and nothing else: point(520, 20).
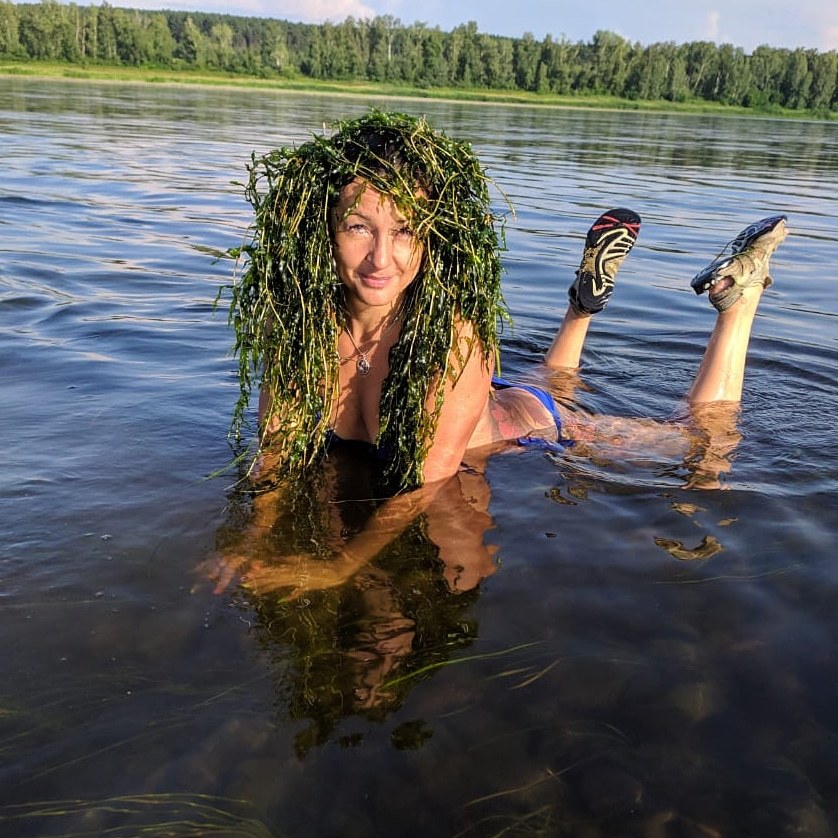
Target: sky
point(743, 23)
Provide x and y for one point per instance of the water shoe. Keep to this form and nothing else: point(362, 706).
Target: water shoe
point(608, 242)
point(746, 266)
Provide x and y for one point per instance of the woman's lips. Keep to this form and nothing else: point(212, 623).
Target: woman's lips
point(375, 281)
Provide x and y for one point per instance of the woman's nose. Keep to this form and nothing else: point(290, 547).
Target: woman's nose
point(381, 253)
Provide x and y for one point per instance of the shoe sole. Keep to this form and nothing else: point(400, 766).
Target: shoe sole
point(753, 231)
point(610, 238)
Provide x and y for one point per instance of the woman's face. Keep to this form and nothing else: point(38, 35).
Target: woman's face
point(376, 252)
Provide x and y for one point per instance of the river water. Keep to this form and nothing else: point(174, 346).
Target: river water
point(646, 659)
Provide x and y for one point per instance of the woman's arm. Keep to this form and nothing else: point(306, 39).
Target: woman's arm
point(464, 401)
point(465, 496)
point(302, 572)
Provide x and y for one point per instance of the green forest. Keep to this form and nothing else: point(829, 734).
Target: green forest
point(384, 50)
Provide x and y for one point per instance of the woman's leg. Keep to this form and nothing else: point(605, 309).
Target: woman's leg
point(735, 285)
point(608, 242)
point(722, 371)
point(566, 350)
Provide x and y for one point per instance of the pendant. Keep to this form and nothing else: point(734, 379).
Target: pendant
point(363, 365)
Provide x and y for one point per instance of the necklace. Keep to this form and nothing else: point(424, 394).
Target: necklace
point(363, 363)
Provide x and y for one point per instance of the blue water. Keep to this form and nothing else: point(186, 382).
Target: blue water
point(597, 683)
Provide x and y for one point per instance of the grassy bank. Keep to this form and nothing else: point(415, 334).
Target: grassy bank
point(141, 75)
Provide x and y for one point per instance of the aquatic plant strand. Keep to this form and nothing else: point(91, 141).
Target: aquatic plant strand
point(288, 304)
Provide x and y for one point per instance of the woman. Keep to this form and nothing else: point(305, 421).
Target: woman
point(373, 250)
point(369, 310)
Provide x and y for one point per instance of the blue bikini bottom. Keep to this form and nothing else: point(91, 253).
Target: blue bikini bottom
point(547, 400)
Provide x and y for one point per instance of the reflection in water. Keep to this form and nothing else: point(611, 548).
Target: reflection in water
point(355, 644)
point(646, 695)
point(709, 546)
point(358, 648)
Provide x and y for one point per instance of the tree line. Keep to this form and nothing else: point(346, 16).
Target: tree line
point(384, 49)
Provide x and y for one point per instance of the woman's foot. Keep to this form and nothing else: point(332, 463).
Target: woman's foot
point(726, 278)
point(609, 241)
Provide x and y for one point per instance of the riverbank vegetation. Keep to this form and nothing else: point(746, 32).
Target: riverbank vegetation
point(384, 56)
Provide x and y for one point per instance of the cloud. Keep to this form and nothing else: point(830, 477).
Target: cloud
point(713, 20)
point(829, 39)
point(316, 11)
point(304, 11)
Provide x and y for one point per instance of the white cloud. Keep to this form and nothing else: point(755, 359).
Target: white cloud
point(316, 11)
point(714, 18)
point(155, 5)
point(829, 39)
point(304, 11)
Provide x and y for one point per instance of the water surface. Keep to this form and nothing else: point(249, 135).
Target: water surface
point(597, 683)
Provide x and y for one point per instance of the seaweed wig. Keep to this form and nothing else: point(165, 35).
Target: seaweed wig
point(288, 307)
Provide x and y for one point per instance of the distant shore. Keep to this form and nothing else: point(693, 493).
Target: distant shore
point(136, 75)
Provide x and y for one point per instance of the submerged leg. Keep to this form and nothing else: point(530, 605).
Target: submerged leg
point(608, 242)
point(735, 285)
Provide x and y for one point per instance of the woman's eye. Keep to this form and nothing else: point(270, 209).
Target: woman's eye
point(356, 229)
point(404, 233)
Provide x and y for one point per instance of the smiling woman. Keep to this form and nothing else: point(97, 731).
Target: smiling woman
point(369, 311)
point(371, 288)
point(370, 304)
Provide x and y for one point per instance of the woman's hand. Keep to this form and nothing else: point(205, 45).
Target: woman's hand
point(301, 573)
point(220, 569)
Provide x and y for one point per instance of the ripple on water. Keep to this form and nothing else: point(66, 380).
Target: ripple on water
point(639, 646)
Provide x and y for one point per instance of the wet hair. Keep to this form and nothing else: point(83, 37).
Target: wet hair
point(288, 305)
